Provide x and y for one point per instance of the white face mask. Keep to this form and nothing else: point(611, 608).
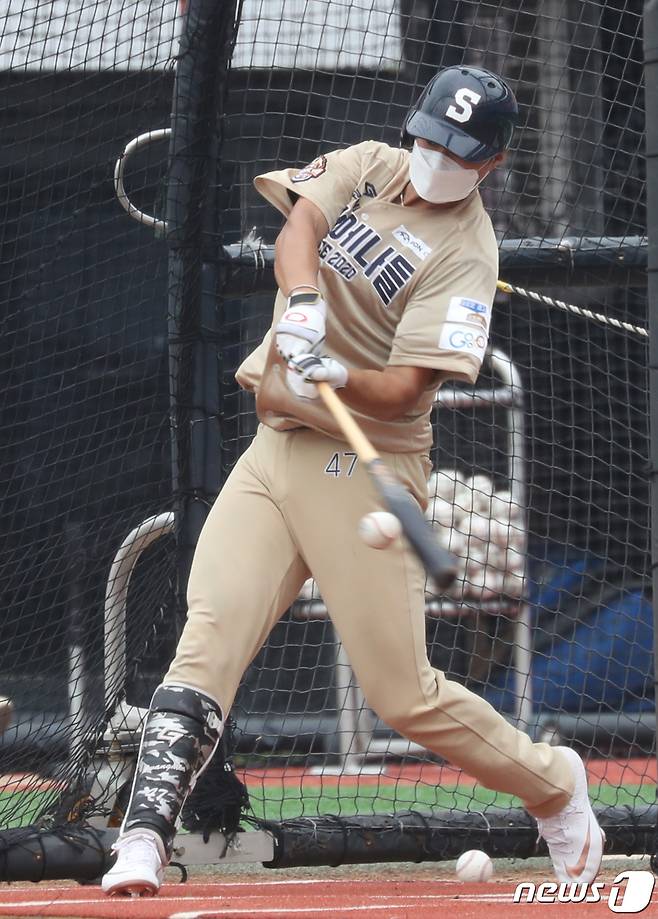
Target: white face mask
point(439, 179)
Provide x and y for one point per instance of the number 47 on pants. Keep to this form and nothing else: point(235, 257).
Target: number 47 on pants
point(341, 464)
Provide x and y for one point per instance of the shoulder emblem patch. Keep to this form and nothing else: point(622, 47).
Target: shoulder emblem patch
point(313, 171)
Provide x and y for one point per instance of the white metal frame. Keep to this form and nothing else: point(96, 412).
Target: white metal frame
point(116, 597)
point(119, 170)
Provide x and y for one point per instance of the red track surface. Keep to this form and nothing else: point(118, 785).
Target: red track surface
point(638, 771)
point(307, 899)
point(26, 781)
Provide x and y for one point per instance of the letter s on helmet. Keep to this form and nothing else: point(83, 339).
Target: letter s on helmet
point(468, 111)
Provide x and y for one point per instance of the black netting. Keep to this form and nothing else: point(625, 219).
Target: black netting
point(539, 485)
point(83, 375)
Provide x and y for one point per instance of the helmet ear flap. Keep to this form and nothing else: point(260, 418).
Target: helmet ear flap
point(406, 140)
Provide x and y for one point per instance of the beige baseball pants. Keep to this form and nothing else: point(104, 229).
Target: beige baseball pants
point(284, 513)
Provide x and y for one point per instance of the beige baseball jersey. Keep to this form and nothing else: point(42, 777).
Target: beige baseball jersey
point(405, 286)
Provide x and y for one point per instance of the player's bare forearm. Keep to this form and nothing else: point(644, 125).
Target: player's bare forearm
point(296, 262)
point(386, 394)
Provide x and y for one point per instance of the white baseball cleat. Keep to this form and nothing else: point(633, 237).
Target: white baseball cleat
point(573, 836)
point(139, 868)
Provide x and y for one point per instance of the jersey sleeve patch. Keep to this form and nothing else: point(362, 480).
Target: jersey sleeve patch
point(466, 339)
point(473, 312)
point(466, 327)
point(313, 171)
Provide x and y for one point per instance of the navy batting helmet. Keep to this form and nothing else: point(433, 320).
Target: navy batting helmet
point(469, 111)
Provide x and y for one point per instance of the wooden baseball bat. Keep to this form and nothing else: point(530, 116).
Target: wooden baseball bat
point(440, 564)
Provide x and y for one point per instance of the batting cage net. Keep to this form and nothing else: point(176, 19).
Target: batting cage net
point(123, 418)
point(84, 386)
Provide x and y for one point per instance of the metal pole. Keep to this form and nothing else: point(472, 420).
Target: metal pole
point(651, 107)
point(195, 280)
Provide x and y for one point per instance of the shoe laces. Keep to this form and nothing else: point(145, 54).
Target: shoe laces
point(557, 828)
point(138, 842)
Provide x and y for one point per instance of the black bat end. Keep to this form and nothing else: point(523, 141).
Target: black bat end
point(444, 576)
point(439, 563)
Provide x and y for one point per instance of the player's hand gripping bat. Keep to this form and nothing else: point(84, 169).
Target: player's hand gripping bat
point(440, 564)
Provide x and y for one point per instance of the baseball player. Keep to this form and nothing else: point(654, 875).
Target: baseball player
point(386, 268)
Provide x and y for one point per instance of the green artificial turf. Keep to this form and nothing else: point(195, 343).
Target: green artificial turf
point(280, 803)
point(21, 808)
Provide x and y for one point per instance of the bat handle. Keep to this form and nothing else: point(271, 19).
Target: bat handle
point(353, 433)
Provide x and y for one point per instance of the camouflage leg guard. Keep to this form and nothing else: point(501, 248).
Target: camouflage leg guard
point(181, 733)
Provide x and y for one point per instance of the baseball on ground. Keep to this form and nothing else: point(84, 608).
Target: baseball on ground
point(379, 529)
point(474, 865)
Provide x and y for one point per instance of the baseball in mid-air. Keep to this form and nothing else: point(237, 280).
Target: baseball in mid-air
point(474, 865)
point(379, 529)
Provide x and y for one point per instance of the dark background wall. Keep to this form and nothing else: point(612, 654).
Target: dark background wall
point(83, 371)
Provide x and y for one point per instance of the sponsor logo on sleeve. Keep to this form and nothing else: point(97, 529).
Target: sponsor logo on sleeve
point(473, 312)
point(313, 171)
point(416, 245)
point(463, 338)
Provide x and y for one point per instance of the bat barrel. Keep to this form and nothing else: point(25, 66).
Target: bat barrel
point(439, 563)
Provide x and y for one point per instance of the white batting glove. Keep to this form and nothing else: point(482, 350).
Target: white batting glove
point(305, 370)
point(301, 329)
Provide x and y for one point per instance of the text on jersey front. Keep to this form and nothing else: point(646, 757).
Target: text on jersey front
point(348, 249)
